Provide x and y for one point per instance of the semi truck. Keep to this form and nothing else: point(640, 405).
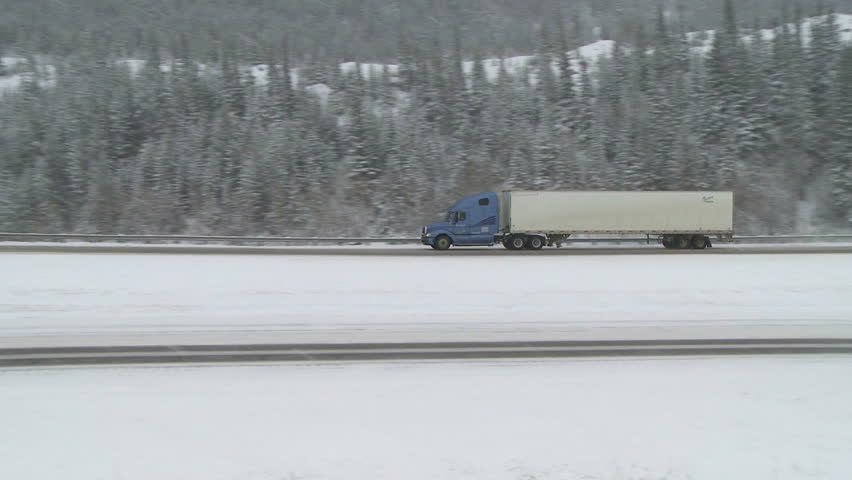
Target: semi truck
point(535, 219)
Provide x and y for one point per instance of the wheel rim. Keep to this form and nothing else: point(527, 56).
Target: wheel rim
point(442, 243)
point(518, 242)
point(535, 243)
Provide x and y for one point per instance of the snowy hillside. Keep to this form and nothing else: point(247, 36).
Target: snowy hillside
point(591, 53)
point(701, 42)
point(514, 65)
point(18, 70)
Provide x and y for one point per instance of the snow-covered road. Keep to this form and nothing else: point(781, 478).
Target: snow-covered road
point(66, 295)
point(623, 419)
point(651, 419)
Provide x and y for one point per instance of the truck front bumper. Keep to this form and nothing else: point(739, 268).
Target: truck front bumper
point(426, 240)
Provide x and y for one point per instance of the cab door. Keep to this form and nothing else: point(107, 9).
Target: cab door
point(461, 228)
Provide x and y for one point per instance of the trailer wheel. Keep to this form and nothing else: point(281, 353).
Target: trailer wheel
point(699, 242)
point(535, 243)
point(668, 241)
point(681, 242)
point(443, 242)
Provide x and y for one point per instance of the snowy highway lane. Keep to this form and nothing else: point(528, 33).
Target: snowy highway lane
point(656, 419)
point(131, 299)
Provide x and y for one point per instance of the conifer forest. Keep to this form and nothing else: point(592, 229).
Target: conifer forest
point(370, 117)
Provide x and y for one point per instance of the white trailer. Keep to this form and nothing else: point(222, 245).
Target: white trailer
point(682, 219)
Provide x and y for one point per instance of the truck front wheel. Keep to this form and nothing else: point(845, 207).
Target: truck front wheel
point(443, 242)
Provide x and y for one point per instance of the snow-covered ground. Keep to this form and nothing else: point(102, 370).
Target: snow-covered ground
point(652, 419)
point(59, 295)
point(602, 419)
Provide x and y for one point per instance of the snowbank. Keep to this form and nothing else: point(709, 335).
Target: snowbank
point(652, 419)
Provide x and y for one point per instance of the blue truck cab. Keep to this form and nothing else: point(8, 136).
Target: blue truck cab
point(472, 221)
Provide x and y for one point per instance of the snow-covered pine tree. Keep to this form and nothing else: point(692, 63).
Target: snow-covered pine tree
point(840, 158)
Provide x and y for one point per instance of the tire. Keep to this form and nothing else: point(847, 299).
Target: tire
point(517, 242)
point(442, 242)
point(668, 241)
point(699, 242)
point(505, 242)
point(681, 242)
point(535, 243)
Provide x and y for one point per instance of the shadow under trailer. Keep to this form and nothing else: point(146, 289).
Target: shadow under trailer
point(531, 220)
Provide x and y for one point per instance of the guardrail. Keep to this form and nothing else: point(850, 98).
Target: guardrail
point(812, 238)
point(171, 354)
point(92, 237)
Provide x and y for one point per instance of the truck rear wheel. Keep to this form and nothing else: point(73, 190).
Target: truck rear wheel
point(535, 243)
point(515, 242)
point(443, 242)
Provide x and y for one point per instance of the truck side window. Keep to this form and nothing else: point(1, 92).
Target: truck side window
point(483, 201)
point(462, 216)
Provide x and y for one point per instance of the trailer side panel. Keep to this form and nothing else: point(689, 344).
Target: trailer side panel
point(620, 212)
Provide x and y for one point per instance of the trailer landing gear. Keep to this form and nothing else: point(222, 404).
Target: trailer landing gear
point(556, 240)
